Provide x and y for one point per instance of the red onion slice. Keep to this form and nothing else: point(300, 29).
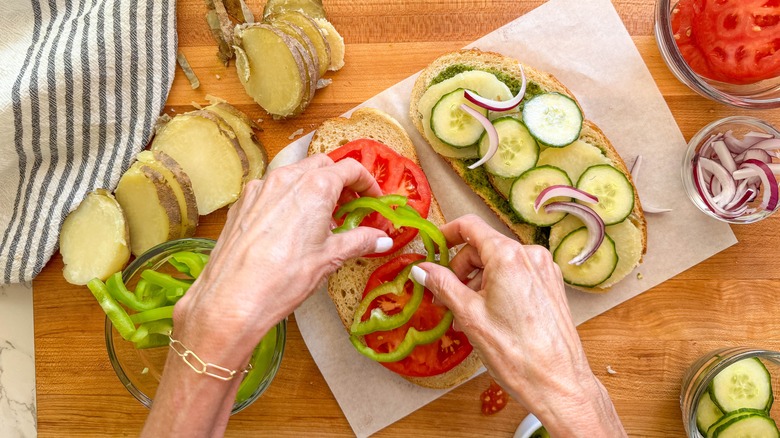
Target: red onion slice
point(754, 154)
point(635, 168)
point(705, 195)
point(592, 221)
point(768, 181)
point(724, 177)
point(738, 146)
point(724, 155)
point(767, 145)
point(742, 201)
point(563, 191)
point(743, 173)
point(491, 131)
point(497, 105)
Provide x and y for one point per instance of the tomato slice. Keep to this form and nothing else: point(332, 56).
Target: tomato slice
point(425, 360)
point(494, 399)
point(740, 39)
point(395, 174)
point(682, 26)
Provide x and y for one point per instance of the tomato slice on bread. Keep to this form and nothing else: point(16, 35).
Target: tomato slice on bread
point(425, 360)
point(395, 174)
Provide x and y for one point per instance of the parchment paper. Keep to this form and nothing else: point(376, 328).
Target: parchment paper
point(585, 45)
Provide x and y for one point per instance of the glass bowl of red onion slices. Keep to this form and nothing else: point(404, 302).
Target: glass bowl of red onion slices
point(731, 169)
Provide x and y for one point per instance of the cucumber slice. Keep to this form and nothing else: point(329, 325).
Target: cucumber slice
point(554, 119)
point(526, 189)
point(482, 82)
point(574, 158)
point(751, 425)
point(743, 384)
point(595, 270)
point(517, 150)
point(454, 126)
point(731, 416)
point(615, 192)
point(707, 413)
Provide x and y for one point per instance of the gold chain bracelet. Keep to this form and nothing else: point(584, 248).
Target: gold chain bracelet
point(202, 367)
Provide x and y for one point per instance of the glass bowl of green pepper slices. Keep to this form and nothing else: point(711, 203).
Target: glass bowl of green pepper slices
point(149, 287)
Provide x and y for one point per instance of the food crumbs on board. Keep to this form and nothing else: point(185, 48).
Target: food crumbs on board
point(218, 77)
point(297, 132)
point(610, 370)
point(145, 370)
point(259, 120)
point(639, 276)
point(196, 105)
point(173, 110)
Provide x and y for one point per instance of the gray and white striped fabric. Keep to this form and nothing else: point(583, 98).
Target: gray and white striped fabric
point(82, 83)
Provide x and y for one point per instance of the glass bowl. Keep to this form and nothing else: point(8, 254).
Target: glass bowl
point(761, 95)
point(140, 370)
point(740, 125)
point(697, 378)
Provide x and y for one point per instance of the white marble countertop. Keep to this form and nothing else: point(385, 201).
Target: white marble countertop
point(17, 362)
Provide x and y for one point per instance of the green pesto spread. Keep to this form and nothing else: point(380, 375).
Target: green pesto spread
point(531, 88)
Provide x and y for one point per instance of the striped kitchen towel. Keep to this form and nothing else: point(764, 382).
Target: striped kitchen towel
point(82, 83)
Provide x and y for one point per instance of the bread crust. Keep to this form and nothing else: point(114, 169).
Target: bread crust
point(346, 285)
point(483, 60)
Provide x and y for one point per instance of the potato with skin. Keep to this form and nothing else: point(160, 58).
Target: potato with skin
point(312, 8)
point(150, 206)
point(271, 69)
point(209, 153)
point(179, 183)
point(244, 129)
point(335, 42)
point(308, 55)
point(312, 31)
point(94, 239)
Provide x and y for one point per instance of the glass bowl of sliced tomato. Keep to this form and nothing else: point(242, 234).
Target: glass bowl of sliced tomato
point(725, 50)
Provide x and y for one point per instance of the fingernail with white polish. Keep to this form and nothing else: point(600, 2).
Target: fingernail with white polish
point(383, 244)
point(419, 275)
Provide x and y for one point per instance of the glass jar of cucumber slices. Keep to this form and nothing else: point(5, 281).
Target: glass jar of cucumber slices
point(730, 392)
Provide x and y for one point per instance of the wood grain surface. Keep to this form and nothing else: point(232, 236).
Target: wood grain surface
point(649, 341)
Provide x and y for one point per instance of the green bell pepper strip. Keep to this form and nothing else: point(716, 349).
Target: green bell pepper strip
point(165, 281)
point(152, 341)
point(399, 220)
point(152, 315)
point(379, 320)
point(412, 339)
point(116, 314)
point(118, 290)
point(428, 243)
point(261, 359)
point(356, 216)
point(188, 262)
point(159, 327)
point(174, 295)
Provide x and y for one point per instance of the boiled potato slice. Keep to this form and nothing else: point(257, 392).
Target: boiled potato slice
point(335, 43)
point(271, 68)
point(312, 30)
point(308, 54)
point(94, 240)
point(244, 129)
point(312, 8)
point(180, 184)
point(209, 153)
point(150, 207)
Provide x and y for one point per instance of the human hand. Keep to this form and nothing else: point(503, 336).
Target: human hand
point(274, 250)
point(515, 313)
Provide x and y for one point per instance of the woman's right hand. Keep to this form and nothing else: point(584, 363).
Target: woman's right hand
point(510, 301)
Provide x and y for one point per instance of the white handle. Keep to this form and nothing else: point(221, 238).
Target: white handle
point(528, 426)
